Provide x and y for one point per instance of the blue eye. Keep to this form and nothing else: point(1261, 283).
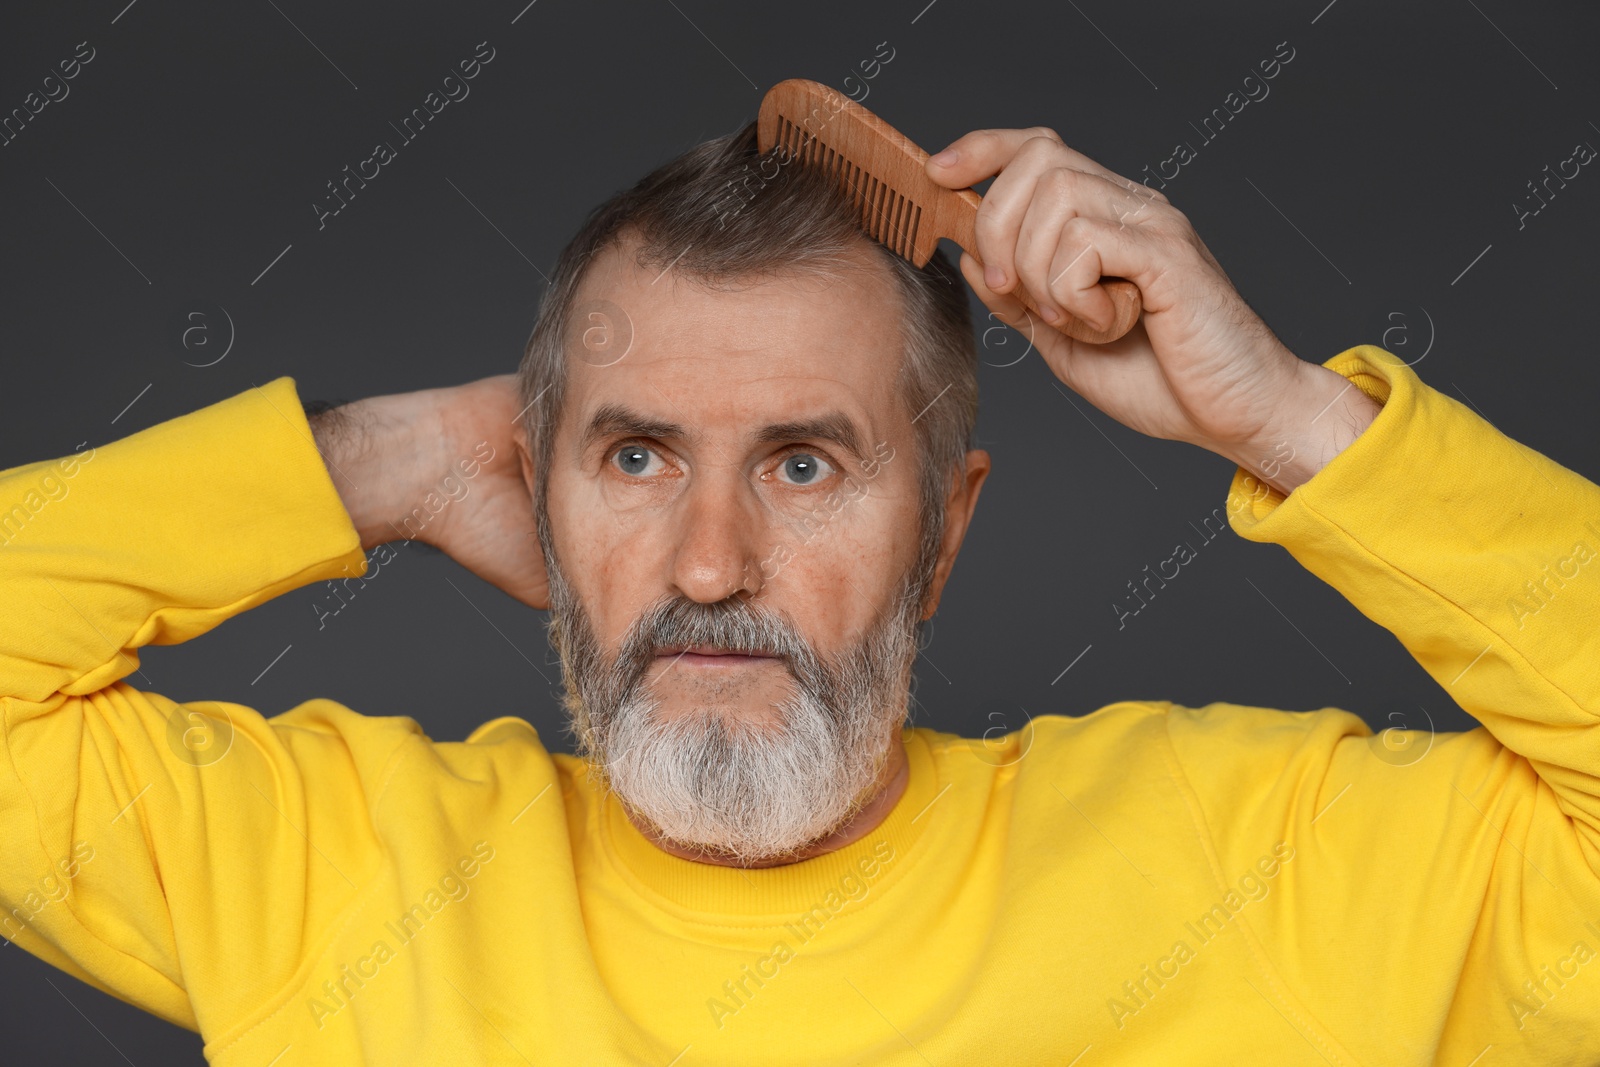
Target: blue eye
point(633, 459)
point(803, 468)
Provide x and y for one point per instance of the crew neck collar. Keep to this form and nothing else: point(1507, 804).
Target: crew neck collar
point(783, 890)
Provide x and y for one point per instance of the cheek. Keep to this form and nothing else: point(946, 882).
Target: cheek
point(845, 564)
point(610, 558)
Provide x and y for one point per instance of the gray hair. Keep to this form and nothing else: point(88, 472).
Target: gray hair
point(721, 785)
point(724, 211)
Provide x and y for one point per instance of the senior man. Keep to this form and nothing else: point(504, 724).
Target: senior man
point(736, 467)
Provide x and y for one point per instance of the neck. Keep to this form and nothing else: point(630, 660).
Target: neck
point(886, 791)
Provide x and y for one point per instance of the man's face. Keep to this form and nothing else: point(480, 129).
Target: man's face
point(744, 479)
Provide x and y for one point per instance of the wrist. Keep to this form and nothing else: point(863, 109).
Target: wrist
point(1319, 417)
point(381, 453)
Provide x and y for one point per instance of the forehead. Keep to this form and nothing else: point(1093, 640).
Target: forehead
point(781, 346)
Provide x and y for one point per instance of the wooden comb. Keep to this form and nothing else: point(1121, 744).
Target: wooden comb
point(901, 207)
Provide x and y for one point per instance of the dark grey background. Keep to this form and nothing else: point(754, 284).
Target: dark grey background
point(1346, 206)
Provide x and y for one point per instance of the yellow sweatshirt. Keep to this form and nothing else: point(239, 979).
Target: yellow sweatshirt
point(1147, 884)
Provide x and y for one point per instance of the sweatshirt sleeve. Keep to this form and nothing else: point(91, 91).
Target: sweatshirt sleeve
point(1442, 897)
point(180, 856)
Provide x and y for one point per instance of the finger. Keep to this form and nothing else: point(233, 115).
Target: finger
point(1058, 196)
point(1089, 249)
point(1008, 309)
point(1000, 221)
point(983, 153)
point(999, 225)
point(1061, 196)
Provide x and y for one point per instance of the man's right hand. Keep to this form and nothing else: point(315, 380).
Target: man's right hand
point(386, 454)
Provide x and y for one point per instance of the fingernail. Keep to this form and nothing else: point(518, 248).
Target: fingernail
point(947, 157)
point(1050, 314)
point(993, 276)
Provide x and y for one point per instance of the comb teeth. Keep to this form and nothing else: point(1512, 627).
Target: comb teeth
point(886, 216)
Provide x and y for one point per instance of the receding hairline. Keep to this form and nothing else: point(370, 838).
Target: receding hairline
point(631, 246)
point(860, 257)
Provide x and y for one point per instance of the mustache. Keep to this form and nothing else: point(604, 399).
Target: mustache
point(736, 625)
point(599, 686)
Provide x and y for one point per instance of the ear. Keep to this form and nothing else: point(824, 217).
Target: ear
point(519, 440)
point(958, 508)
point(534, 589)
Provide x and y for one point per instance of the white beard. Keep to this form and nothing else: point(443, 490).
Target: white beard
point(747, 791)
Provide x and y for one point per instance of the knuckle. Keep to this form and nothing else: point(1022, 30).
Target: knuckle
point(1134, 203)
point(989, 225)
point(987, 140)
point(1177, 218)
point(1149, 197)
point(1170, 222)
point(1044, 148)
point(1082, 228)
point(1062, 183)
point(1174, 245)
point(1146, 195)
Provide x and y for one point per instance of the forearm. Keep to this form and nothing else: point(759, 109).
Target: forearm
point(1474, 551)
point(158, 537)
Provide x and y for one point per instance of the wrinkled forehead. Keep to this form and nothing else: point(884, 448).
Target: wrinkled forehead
point(728, 355)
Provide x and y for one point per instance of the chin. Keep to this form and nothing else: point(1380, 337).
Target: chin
point(746, 702)
point(747, 715)
point(745, 781)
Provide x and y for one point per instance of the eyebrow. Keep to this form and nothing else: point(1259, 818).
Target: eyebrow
point(613, 419)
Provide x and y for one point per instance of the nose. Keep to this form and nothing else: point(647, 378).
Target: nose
point(719, 534)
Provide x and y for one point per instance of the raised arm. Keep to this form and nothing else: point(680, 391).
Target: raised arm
point(1444, 896)
point(1444, 900)
point(181, 856)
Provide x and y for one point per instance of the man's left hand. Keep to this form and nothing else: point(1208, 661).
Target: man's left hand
point(1200, 365)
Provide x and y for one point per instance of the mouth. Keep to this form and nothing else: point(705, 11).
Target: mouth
point(714, 656)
